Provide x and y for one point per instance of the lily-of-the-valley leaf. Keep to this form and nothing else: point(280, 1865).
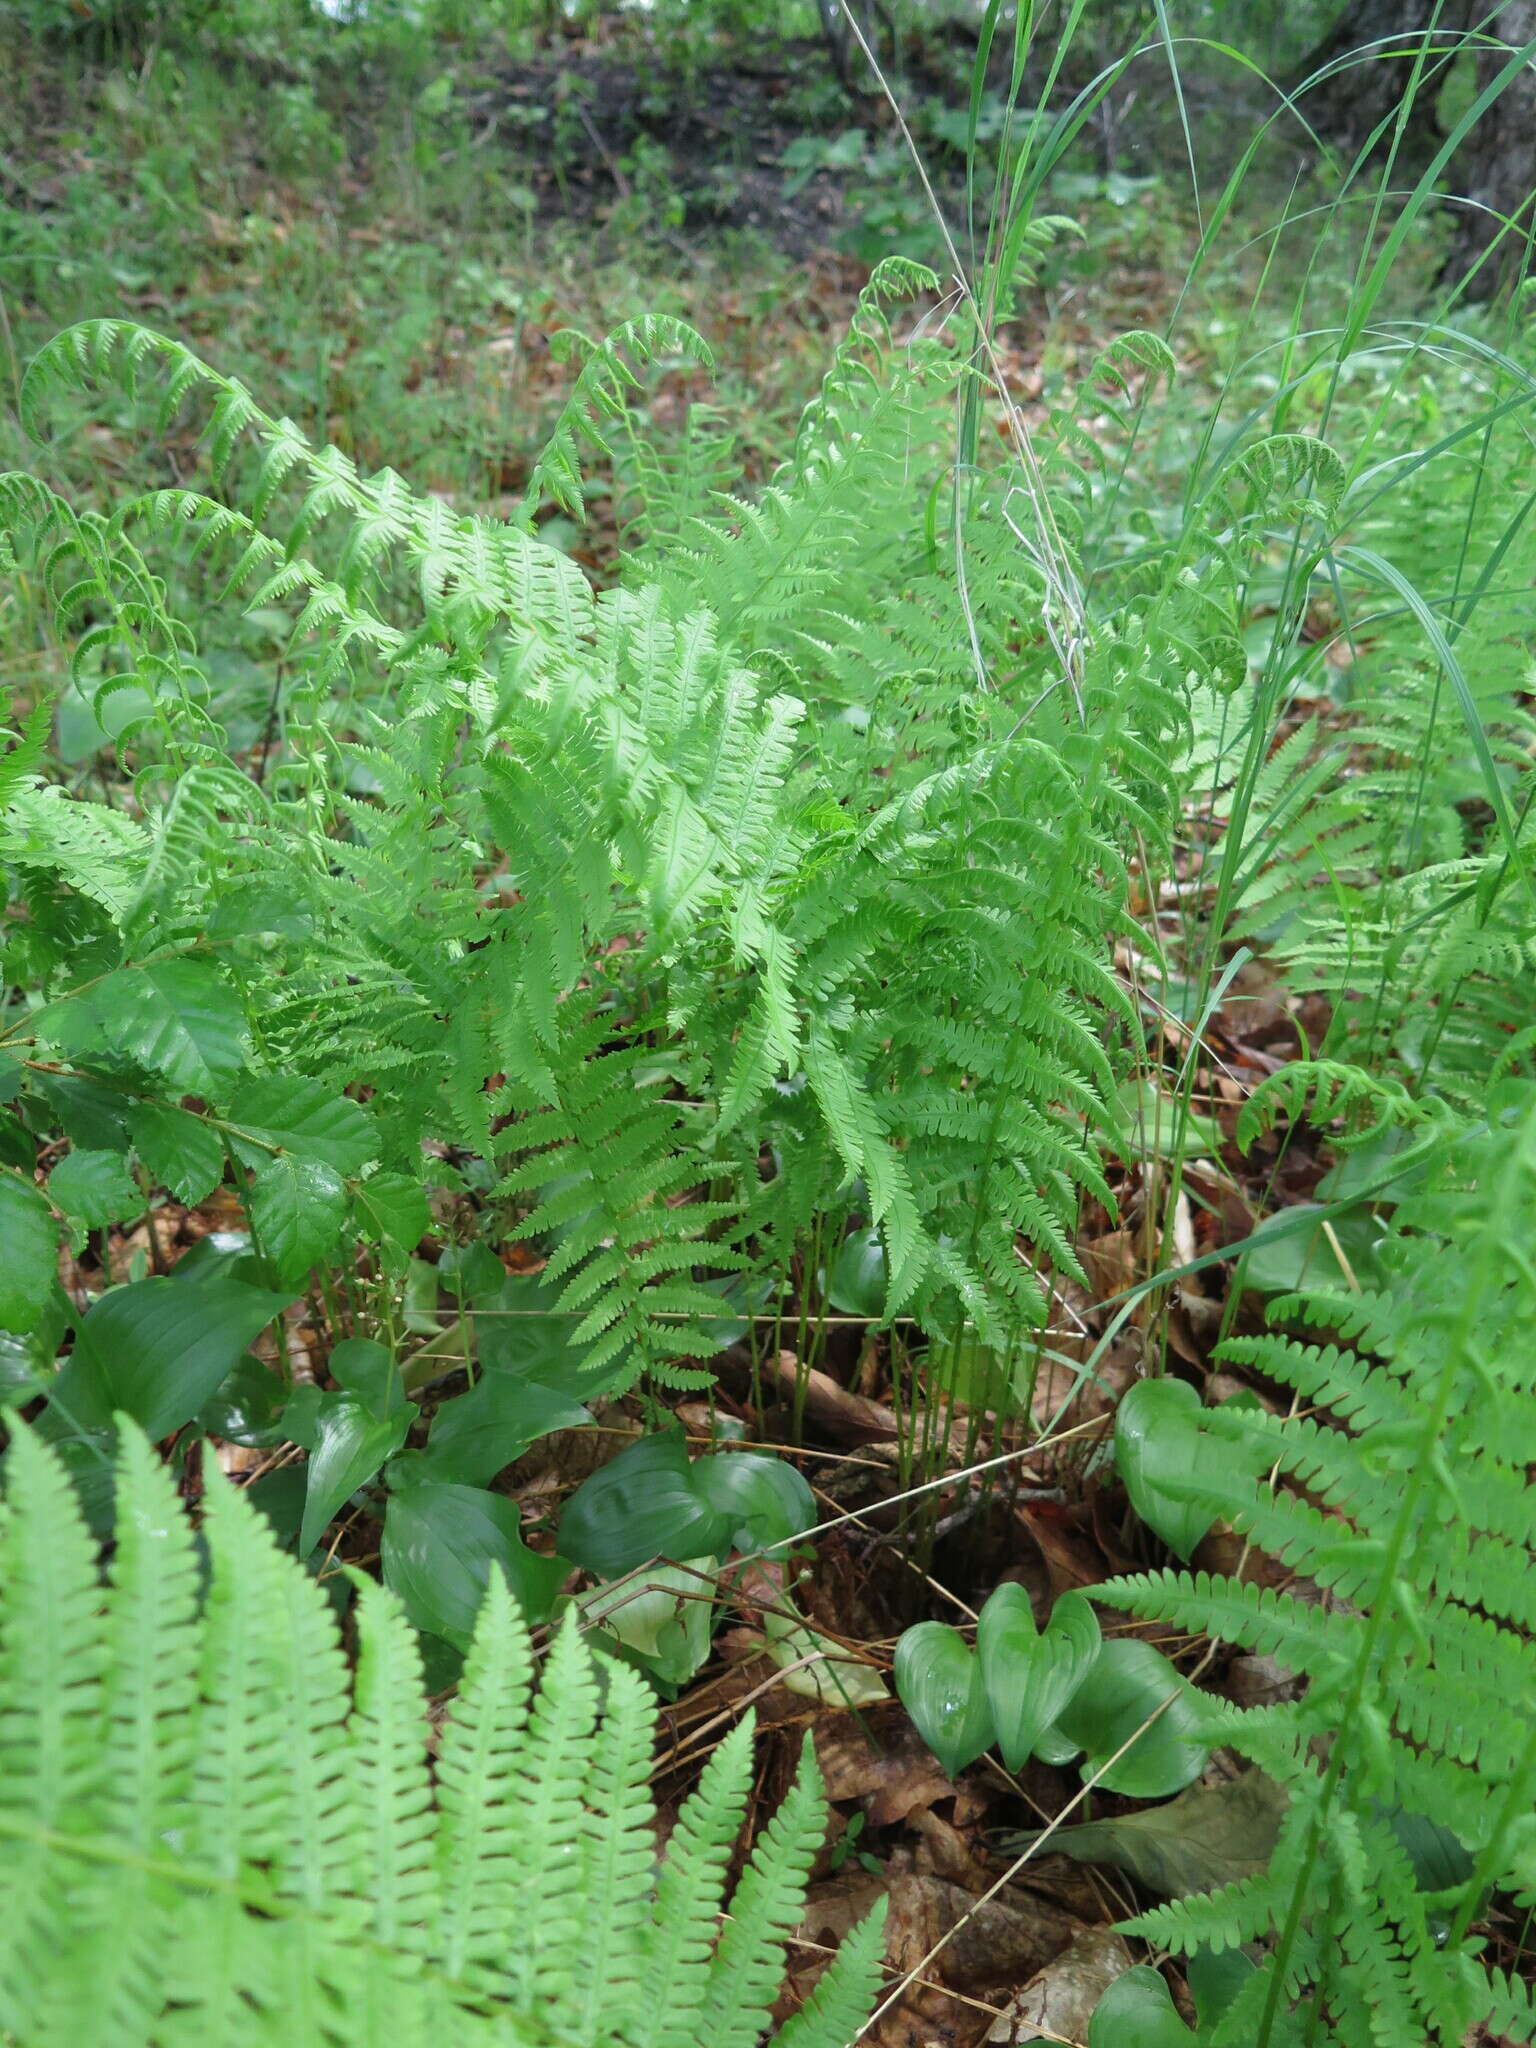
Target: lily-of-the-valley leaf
point(1030, 1676)
point(1159, 1453)
point(938, 1678)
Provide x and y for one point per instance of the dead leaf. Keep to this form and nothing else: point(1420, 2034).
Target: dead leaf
point(1210, 1835)
point(882, 1761)
point(1060, 2002)
point(986, 1946)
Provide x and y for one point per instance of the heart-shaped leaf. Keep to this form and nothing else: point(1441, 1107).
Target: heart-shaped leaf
point(1030, 1677)
point(1129, 1683)
point(1159, 1452)
point(938, 1680)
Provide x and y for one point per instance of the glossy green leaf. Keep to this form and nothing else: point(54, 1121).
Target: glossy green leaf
point(391, 1209)
point(642, 1505)
point(94, 1189)
point(29, 1268)
point(158, 1349)
point(765, 1499)
point(247, 1406)
point(297, 1209)
point(181, 1151)
point(939, 1682)
point(1137, 2011)
point(1285, 1255)
point(1160, 1453)
point(856, 1284)
point(369, 1373)
point(301, 1116)
point(174, 1018)
point(1029, 1677)
point(18, 1147)
point(1129, 1681)
point(91, 1115)
point(479, 1433)
point(1216, 1981)
point(440, 1546)
point(351, 1443)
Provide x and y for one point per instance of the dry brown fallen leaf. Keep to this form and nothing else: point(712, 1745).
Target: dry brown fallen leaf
point(895, 1780)
point(1060, 2001)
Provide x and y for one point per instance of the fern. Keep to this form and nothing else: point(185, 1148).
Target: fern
point(213, 1836)
point(1409, 1508)
point(579, 884)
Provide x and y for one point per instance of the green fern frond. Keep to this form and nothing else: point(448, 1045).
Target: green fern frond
point(321, 1886)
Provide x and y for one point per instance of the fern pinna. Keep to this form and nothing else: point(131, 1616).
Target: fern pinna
point(1405, 1509)
point(214, 1833)
point(776, 887)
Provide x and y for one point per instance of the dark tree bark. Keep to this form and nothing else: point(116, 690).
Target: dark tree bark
point(1495, 169)
point(1351, 101)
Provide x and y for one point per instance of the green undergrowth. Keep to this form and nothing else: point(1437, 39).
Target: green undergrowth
point(580, 911)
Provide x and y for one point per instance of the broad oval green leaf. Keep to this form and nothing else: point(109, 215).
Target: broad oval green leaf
point(368, 1372)
point(174, 1018)
point(1137, 2011)
point(297, 1209)
point(247, 1407)
point(764, 1498)
point(351, 1443)
point(939, 1682)
point(479, 1433)
point(182, 1152)
point(391, 1208)
point(1030, 1677)
point(94, 1189)
point(856, 1284)
point(1129, 1682)
point(302, 1116)
point(1159, 1452)
point(642, 1505)
point(158, 1349)
point(442, 1543)
point(29, 1270)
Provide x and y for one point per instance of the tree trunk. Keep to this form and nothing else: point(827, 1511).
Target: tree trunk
point(1495, 170)
point(1350, 104)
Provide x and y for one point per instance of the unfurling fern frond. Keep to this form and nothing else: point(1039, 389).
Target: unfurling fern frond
point(210, 1835)
point(1401, 1505)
